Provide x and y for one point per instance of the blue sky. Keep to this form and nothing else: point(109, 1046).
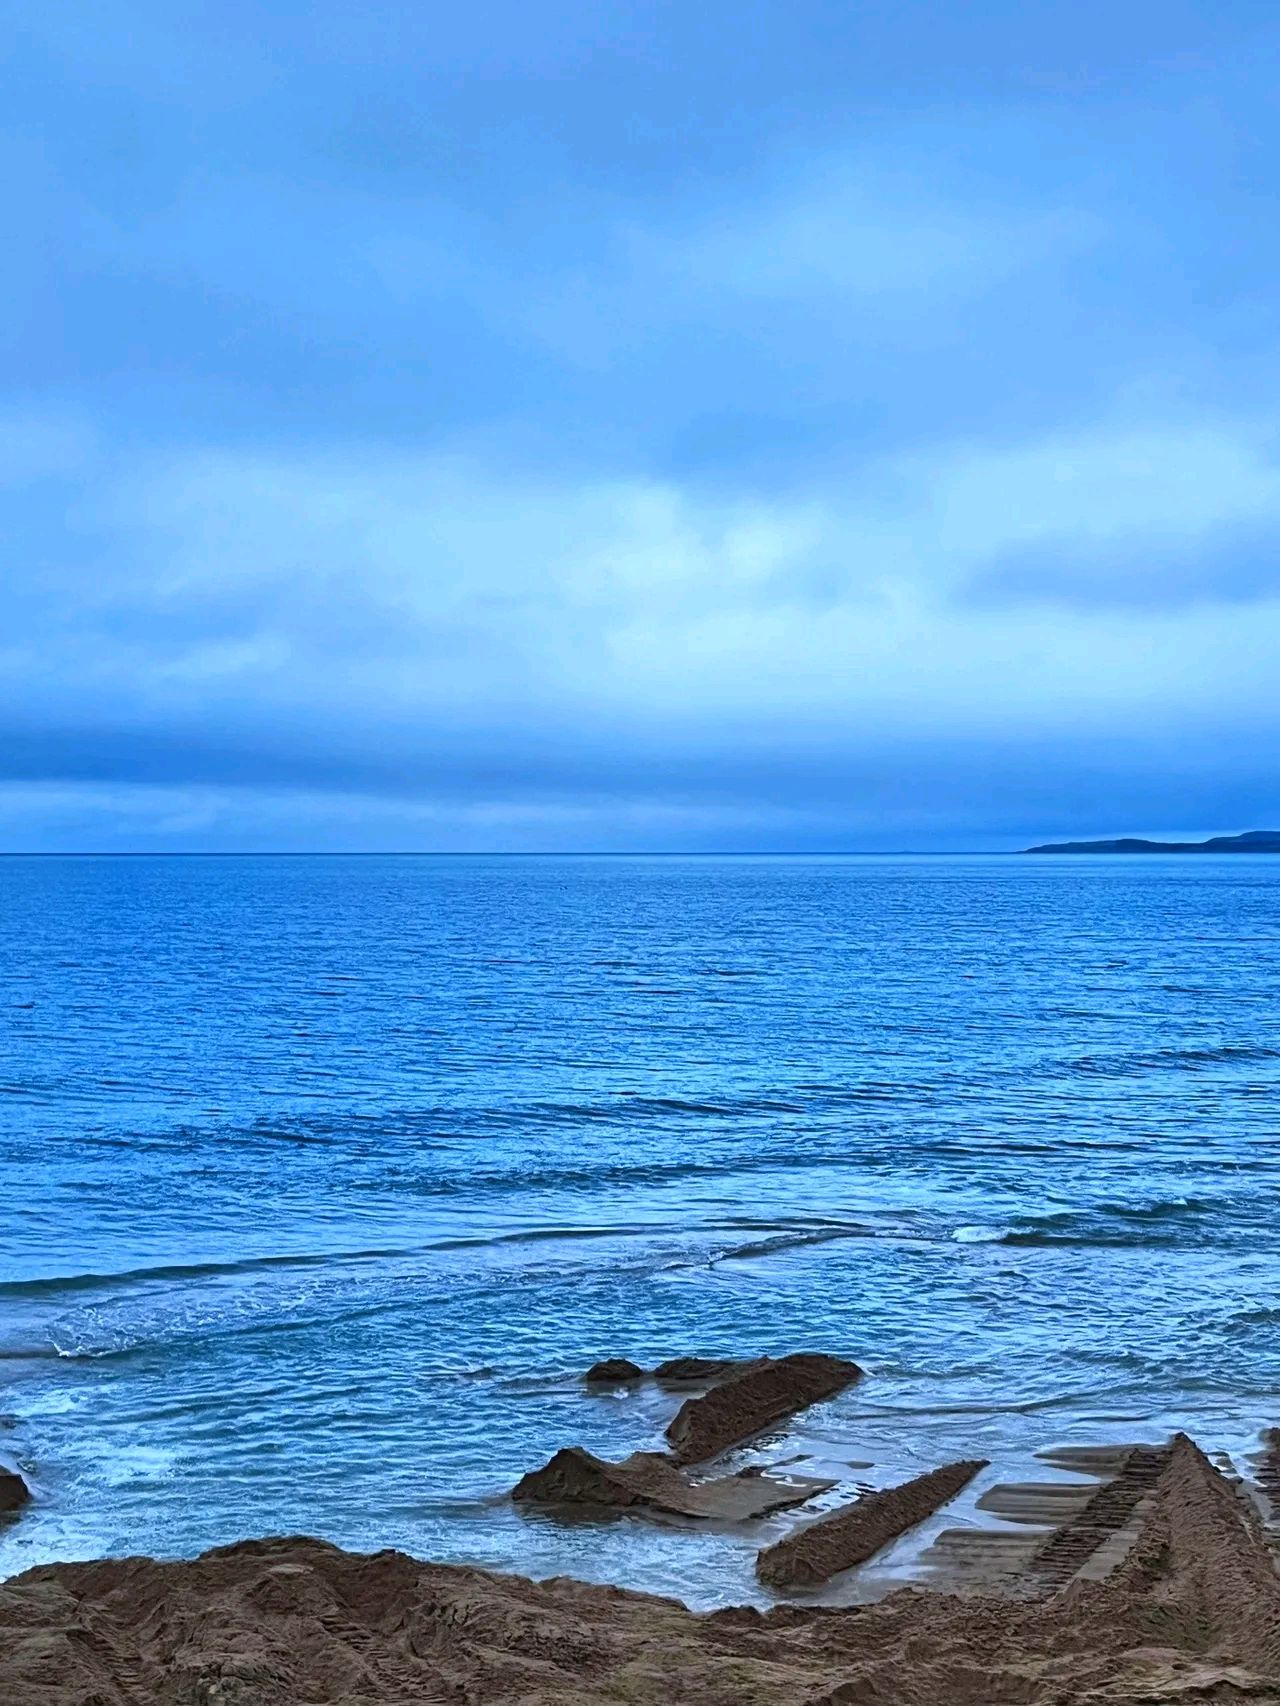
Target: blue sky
point(662, 425)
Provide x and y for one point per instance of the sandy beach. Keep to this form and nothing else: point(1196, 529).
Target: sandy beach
point(1151, 1577)
point(1191, 1611)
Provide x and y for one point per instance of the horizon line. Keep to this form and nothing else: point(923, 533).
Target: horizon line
point(509, 853)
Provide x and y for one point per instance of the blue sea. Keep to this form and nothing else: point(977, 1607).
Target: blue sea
point(324, 1178)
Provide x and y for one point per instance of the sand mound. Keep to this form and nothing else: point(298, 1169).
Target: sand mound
point(649, 1481)
point(856, 1532)
point(14, 1491)
point(1191, 1615)
point(746, 1404)
point(613, 1371)
point(675, 1372)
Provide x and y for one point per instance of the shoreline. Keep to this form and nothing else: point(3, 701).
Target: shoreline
point(1172, 1593)
point(698, 1532)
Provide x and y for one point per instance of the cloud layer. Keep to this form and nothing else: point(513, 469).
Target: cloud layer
point(387, 465)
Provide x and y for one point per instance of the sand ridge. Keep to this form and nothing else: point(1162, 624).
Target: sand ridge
point(14, 1491)
point(849, 1536)
point(745, 1404)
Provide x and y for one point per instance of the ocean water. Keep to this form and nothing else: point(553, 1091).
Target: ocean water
point(324, 1178)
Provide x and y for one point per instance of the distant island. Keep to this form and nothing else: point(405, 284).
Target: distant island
point(1253, 841)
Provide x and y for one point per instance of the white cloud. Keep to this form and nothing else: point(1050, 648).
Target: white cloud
point(350, 588)
point(845, 231)
point(1156, 482)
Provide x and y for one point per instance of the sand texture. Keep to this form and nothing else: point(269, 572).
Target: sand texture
point(1190, 1614)
point(856, 1532)
point(1269, 1474)
point(613, 1371)
point(1108, 1513)
point(746, 1404)
point(14, 1492)
point(649, 1481)
point(703, 1371)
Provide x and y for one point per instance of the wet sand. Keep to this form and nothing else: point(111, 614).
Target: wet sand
point(847, 1537)
point(747, 1402)
point(1160, 1587)
point(649, 1481)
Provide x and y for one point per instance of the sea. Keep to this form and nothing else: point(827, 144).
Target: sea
point(324, 1178)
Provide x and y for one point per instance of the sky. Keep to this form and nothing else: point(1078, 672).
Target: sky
point(786, 425)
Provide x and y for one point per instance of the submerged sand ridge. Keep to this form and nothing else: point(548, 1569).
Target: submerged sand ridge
point(738, 1399)
point(14, 1491)
point(754, 1398)
point(856, 1532)
point(1190, 1614)
point(649, 1481)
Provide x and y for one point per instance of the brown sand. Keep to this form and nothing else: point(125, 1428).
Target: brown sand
point(857, 1532)
point(1269, 1474)
point(649, 1481)
point(613, 1371)
point(1108, 1513)
point(676, 1372)
point(1191, 1615)
point(752, 1401)
point(703, 1371)
point(14, 1492)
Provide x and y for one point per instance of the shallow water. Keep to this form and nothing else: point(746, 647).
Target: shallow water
point(324, 1178)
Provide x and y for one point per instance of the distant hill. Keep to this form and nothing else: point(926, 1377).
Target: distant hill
point(1253, 841)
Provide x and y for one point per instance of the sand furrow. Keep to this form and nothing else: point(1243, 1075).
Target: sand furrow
point(1106, 1514)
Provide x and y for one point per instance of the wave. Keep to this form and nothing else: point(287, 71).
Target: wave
point(624, 1108)
point(780, 1236)
point(1156, 1221)
point(1176, 1059)
point(1247, 1320)
point(1015, 1407)
point(67, 1353)
point(1162, 1208)
point(603, 1174)
point(1102, 1222)
point(448, 1125)
point(55, 1284)
point(64, 1283)
point(791, 1240)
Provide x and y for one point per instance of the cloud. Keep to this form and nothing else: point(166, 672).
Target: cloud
point(852, 236)
point(119, 817)
point(817, 258)
point(1151, 518)
point(460, 642)
point(1154, 574)
point(38, 444)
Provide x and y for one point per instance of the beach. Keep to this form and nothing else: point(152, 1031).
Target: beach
point(329, 1180)
point(640, 855)
point(1190, 1612)
point(1148, 1574)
